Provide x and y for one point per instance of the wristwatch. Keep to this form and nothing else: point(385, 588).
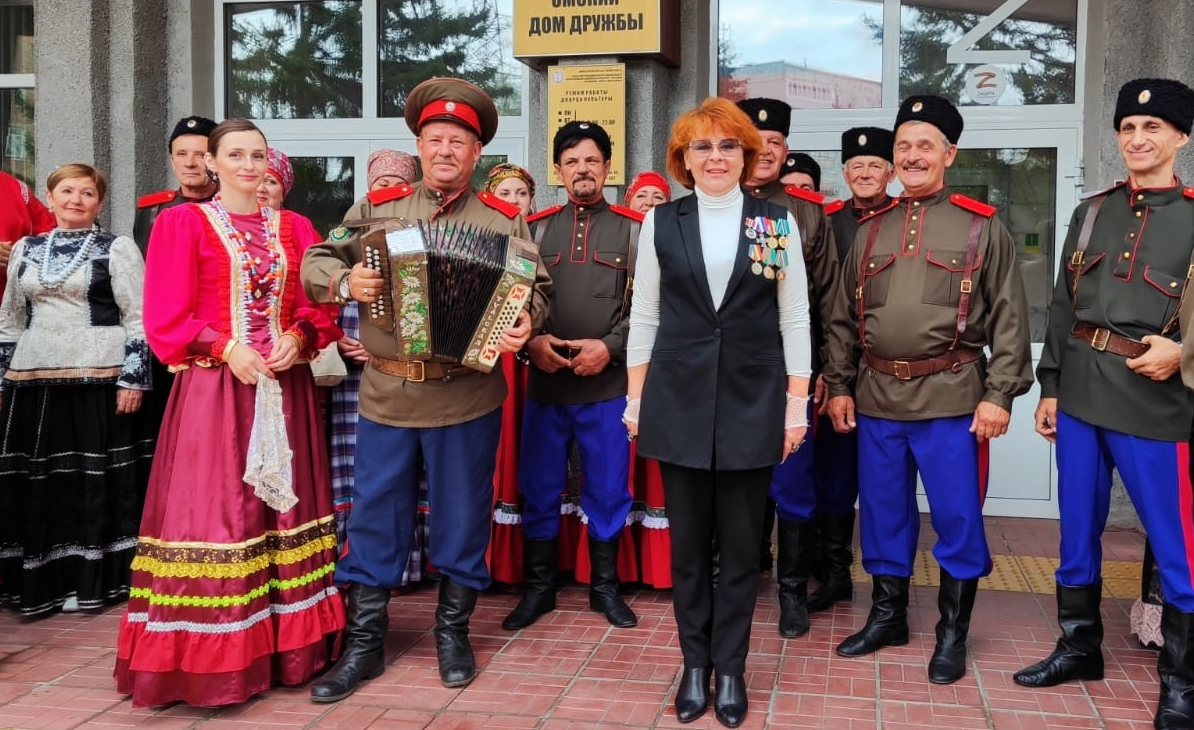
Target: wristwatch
point(345, 294)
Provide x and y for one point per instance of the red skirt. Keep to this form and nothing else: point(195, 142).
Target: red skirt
point(228, 595)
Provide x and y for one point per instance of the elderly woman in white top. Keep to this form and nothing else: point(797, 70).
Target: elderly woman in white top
point(74, 455)
point(719, 358)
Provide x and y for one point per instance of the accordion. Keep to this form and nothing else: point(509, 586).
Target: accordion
point(449, 289)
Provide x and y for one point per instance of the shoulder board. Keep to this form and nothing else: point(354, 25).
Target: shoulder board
point(835, 206)
point(803, 194)
point(1116, 186)
point(158, 198)
point(545, 213)
point(972, 205)
point(625, 212)
point(509, 210)
point(1188, 192)
point(893, 203)
point(385, 195)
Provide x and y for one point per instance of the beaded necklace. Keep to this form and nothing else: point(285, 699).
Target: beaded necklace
point(259, 297)
point(53, 281)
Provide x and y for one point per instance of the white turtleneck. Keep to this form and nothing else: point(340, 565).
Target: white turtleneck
point(719, 219)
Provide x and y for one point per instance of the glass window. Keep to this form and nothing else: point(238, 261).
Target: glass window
point(815, 54)
point(16, 98)
point(484, 165)
point(323, 189)
point(418, 39)
point(293, 60)
point(16, 39)
point(1046, 29)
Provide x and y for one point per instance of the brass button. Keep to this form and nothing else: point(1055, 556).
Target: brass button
point(913, 217)
point(911, 231)
point(1173, 285)
point(1127, 254)
point(1139, 197)
point(911, 247)
point(581, 208)
point(617, 260)
point(1138, 214)
point(871, 265)
point(954, 262)
point(580, 235)
point(580, 248)
point(1132, 235)
point(581, 223)
point(916, 203)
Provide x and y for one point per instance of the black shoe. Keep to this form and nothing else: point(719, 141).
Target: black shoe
point(364, 654)
point(1176, 667)
point(791, 575)
point(457, 665)
point(730, 703)
point(1079, 650)
point(837, 546)
point(603, 584)
point(887, 623)
point(692, 696)
point(539, 585)
point(955, 600)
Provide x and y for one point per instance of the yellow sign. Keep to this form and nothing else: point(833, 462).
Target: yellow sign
point(594, 93)
point(556, 28)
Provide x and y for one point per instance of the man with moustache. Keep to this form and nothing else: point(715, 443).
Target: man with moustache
point(931, 281)
point(1111, 395)
point(576, 387)
point(792, 486)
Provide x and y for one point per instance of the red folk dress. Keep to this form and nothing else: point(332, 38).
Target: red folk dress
point(229, 595)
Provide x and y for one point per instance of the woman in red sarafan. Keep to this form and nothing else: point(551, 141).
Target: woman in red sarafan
point(232, 581)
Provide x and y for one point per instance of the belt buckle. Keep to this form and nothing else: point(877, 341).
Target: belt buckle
point(967, 286)
point(907, 369)
point(416, 366)
point(1099, 339)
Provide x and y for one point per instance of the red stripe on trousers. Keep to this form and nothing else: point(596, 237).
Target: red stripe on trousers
point(1185, 499)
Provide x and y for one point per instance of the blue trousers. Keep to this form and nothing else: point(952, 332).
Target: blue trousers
point(459, 461)
point(835, 469)
point(548, 432)
point(793, 487)
point(1156, 475)
point(953, 467)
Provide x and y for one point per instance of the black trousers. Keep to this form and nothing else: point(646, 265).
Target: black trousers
point(704, 504)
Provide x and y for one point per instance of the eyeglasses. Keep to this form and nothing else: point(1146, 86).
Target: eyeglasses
point(704, 148)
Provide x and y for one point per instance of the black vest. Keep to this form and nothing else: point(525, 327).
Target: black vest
point(714, 394)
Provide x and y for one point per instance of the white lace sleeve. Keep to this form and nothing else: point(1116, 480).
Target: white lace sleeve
point(127, 270)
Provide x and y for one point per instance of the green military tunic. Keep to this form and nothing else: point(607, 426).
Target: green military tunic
point(392, 400)
point(910, 299)
point(844, 218)
point(1132, 276)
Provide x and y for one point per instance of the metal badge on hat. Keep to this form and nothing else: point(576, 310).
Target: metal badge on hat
point(862, 140)
point(450, 106)
point(916, 107)
point(191, 123)
point(762, 115)
point(1144, 96)
point(583, 125)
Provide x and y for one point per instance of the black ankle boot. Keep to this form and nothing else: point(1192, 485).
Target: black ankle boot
point(457, 665)
point(887, 623)
point(791, 574)
point(1079, 650)
point(955, 600)
point(603, 584)
point(837, 545)
point(539, 585)
point(692, 696)
point(364, 653)
point(730, 702)
point(1176, 667)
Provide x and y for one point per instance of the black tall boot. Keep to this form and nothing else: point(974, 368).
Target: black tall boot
point(457, 665)
point(1176, 667)
point(887, 623)
point(603, 584)
point(538, 586)
point(364, 656)
point(955, 601)
point(837, 546)
point(1079, 650)
point(791, 573)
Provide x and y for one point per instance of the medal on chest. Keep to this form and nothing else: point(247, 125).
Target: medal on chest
point(768, 249)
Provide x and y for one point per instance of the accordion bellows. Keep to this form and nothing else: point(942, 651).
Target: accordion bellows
point(450, 289)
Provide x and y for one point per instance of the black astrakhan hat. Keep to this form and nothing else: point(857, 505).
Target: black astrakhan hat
point(869, 141)
point(201, 126)
point(572, 133)
point(800, 162)
point(1166, 99)
point(932, 109)
point(768, 114)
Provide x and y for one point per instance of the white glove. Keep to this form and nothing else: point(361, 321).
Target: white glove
point(796, 412)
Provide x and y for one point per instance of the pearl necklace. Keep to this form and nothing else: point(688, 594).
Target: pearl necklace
point(50, 281)
point(259, 290)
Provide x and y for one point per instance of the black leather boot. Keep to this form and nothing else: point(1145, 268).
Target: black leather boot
point(457, 665)
point(730, 703)
point(364, 653)
point(538, 587)
point(887, 623)
point(692, 696)
point(603, 584)
point(1176, 668)
point(1079, 650)
point(955, 600)
point(837, 546)
point(791, 573)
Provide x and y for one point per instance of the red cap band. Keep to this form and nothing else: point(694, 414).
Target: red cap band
point(455, 111)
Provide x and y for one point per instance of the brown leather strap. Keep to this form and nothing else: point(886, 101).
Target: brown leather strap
point(1104, 340)
point(909, 369)
point(859, 307)
point(1083, 241)
point(967, 285)
point(416, 371)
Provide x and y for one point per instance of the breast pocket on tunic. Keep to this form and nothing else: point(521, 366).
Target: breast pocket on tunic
point(943, 276)
point(550, 260)
point(610, 279)
point(875, 279)
point(1170, 288)
point(1087, 291)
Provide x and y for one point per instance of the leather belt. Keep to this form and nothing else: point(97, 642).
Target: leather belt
point(1104, 340)
point(909, 369)
point(417, 371)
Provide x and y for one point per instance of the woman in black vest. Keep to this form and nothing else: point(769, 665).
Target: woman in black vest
point(719, 359)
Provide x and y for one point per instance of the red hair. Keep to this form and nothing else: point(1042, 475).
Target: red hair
point(712, 113)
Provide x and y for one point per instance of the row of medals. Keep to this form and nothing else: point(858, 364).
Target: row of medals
point(770, 254)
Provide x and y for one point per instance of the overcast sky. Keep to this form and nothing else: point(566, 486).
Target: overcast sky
point(828, 34)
